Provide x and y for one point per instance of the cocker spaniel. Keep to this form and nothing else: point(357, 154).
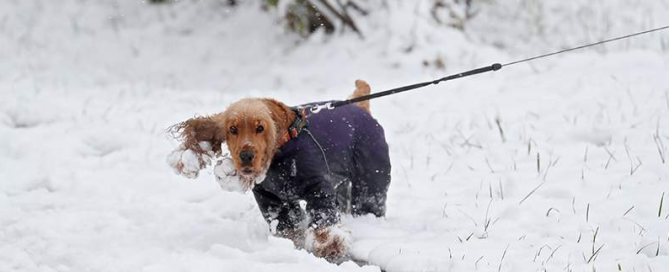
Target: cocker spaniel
point(334, 161)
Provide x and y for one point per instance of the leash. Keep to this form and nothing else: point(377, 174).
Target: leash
point(495, 67)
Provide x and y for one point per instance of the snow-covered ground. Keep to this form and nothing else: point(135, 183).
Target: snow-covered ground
point(574, 182)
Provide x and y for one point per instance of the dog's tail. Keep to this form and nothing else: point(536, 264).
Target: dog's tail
point(362, 89)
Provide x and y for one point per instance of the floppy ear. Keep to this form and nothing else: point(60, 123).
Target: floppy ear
point(282, 116)
point(193, 131)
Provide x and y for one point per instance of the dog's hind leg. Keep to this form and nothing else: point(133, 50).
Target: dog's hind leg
point(343, 190)
point(362, 89)
point(371, 176)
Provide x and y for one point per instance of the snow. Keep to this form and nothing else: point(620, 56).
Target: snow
point(575, 183)
point(227, 177)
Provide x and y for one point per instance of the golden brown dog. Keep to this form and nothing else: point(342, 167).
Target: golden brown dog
point(254, 131)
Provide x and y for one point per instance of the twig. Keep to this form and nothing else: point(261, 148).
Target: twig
point(343, 17)
point(355, 6)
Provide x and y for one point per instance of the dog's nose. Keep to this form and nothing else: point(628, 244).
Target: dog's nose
point(246, 157)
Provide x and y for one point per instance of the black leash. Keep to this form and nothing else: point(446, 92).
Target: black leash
point(494, 67)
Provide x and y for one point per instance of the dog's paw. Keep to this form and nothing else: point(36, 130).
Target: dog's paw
point(331, 243)
point(187, 162)
point(296, 235)
point(227, 177)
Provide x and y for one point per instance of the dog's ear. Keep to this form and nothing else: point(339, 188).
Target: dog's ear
point(193, 131)
point(281, 114)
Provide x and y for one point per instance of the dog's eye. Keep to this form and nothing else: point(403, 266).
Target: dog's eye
point(233, 130)
point(260, 128)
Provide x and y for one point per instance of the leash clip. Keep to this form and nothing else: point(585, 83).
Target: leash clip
point(318, 108)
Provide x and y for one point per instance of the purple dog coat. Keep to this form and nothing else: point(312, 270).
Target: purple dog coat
point(338, 162)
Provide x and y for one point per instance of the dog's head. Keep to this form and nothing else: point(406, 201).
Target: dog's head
point(251, 128)
point(251, 136)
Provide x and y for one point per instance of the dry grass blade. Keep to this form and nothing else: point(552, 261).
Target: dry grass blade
point(643, 247)
point(552, 209)
point(498, 121)
point(628, 210)
point(659, 212)
point(661, 149)
point(532, 192)
point(594, 255)
point(552, 253)
point(585, 156)
point(502, 260)
point(476, 264)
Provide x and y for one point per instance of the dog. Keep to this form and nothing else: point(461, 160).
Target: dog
point(335, 160)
